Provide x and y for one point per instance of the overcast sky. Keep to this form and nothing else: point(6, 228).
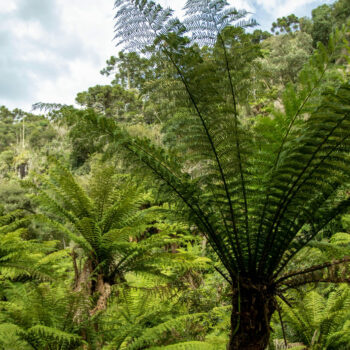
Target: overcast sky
point(52, 49)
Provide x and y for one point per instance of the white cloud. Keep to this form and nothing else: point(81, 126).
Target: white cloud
point(78, 77)
point(27, 30)
point(8, 6)
point(51, 50)
point(280, 8)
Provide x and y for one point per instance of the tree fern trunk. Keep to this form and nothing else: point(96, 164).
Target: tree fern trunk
point(253, 306)
point(103, 290)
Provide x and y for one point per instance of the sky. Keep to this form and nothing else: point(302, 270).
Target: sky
point(52, 49)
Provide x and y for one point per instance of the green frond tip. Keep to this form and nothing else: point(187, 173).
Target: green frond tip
point(52, 334)
point(151, 335)
point(140, 22)
point(205, 20)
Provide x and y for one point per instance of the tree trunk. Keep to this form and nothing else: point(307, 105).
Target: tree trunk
point(253, 306)
point(104, 291)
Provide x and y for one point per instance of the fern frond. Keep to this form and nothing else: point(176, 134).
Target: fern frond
point(150, 335)
point(52, 334)
point(298, 101)
point(207, 19)
point(191, 345)
point(61, 228)
point(141, 22)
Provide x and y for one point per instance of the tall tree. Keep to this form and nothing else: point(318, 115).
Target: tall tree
point(113, 101)
point(285, 24)
point(322, 24)
point(258, 194)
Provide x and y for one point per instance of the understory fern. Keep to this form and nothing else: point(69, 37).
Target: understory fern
point(37, 316)
point(138, 319)
point(21, 258)
point(320, 319)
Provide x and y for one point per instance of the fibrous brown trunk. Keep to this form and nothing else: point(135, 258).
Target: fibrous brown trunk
point(90, 285)
point(104, 291)
point(253, 306)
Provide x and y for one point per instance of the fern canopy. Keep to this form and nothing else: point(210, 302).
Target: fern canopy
point(110, 233)
point(260, 193)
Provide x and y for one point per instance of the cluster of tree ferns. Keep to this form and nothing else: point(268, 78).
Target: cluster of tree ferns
point(199, 201)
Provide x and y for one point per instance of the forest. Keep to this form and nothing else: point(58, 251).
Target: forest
point(201, 200)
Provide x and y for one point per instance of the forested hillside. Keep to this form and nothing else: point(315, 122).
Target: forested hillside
point(201, 200)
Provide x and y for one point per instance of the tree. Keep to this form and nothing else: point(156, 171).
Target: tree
point(258, 36)
point(113, 101)
point(322, 24)
point(285, 57)
point(7, 119)
point(259, 195)
point(341, 11)
point(23, 135)
point(285, 24)
point(131, 70)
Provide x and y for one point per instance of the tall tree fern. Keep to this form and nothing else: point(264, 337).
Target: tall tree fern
point(258, 193)
point(110, 233)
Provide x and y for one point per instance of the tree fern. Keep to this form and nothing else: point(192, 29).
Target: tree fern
point(293, 112)
point(108, 229)
point(259, 199)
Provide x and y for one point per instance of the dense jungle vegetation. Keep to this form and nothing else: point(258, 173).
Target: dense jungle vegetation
point(199, 201)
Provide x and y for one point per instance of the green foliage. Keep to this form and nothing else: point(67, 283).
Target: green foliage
point(325, 18)
point(274, 192)
point(341, 11)
point(322, 24)
point(138, 320)
point(113, 101)
point(111, 235)
point(258, 36)
point(285, 56)
point(13, 196)
point(20, 258)
point(40, 316)
point(285, 24)
point(242, 141)
point(193, 345)
point(37, 129)
point(319, 319)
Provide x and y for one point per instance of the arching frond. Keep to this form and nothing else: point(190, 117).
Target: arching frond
point(317, 320)
point(190, 345)
point(259, 195)
point(141, 22)
point(41, 315)
point(207, 19)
